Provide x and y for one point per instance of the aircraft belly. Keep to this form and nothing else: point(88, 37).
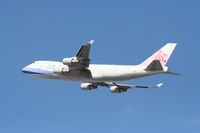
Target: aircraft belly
point(75, 76)
point(97, 77)
point(104, 77)
point(111, 76)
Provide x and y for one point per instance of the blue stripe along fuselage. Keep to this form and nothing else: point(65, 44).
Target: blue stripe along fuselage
point(30, 72)
point(36, 71)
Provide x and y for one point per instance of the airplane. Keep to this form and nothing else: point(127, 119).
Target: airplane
point(78, 68)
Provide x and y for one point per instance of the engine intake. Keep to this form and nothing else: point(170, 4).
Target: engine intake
point(116, 89)
point(88, 86)
point(61, 70)
point(70, 61)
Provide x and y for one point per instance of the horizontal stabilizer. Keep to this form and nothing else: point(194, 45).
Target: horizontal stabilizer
point(172, 73)
point(154, 66)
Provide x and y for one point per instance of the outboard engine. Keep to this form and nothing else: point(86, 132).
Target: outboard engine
point(70, 61)
point(116, 89)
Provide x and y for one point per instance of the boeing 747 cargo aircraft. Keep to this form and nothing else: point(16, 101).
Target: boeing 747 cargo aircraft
point(78, 68)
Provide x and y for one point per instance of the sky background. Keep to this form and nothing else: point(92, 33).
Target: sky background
point(125, 32)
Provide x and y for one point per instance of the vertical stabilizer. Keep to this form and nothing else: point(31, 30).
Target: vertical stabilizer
point(162, 55)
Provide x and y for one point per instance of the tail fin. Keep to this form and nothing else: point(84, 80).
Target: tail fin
point(162, 55)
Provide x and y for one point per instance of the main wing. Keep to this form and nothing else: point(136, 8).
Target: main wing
point(115, 87)
point(84, 51)
point(118, 88)
point(130, 86)
point(81, 60)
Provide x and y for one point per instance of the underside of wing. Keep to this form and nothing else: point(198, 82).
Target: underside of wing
point(81, 60)
point(84, 51)
point(114, 87)
point(130, 86)
point(118, 88)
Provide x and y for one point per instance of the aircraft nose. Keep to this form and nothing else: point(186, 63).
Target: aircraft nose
point(24, 70)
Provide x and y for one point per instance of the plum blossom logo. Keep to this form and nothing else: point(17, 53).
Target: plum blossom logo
point(161, 56)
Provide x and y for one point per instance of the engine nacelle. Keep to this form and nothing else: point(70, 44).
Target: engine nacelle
point(88, 86)
point(116, 89)
point(61, 70)
point(70, 61)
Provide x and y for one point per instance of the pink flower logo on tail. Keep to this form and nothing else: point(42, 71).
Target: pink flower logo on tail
point(161, 56)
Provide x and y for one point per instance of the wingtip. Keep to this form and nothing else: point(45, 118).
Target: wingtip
point(159, 85)
point(91, 42)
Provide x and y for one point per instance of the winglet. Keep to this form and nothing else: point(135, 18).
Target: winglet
point(91, 42)
point(158, 85)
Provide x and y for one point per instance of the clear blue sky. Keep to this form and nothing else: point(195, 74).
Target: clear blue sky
point(125, 32)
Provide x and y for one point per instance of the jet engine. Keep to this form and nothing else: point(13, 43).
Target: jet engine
point(116, 89)
point(88, 86)
point(61, 70)
point(70, 61)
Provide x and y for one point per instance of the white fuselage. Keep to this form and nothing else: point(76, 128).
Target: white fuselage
point(95, 73)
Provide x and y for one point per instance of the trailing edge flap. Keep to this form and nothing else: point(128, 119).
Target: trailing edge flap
point(155, 65)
